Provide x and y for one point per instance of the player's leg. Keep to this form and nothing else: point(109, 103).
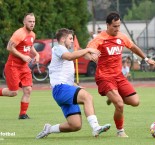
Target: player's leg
point(63, 95)
point(128, 93)
point(83, 97)
point(109, 87)
point(86, 99)
point(66, 97)
point(26, 84)
point(74, 123)
point(132, 100)
point(25, 100)
point(12, 82)
point(117, 100)
point(7, 93)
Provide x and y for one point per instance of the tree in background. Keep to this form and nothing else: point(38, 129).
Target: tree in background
point(128, 9)
point(73, 14)
point(50, 16)
point(143, 10)
point(103, 7)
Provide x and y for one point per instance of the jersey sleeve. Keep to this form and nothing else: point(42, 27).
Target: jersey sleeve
point(98, 40)
point(17, 36)
point(94, 43)
point(59, 51)
point(128, 42)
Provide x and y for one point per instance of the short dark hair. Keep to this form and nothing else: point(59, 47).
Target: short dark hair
point(99, 29)
point(31, 14)
point(63, 32)
point(112, 16)
point(124, 61)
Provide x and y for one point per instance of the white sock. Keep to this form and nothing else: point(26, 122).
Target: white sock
point(92, 119)
point(55, 128)
point(120, 130)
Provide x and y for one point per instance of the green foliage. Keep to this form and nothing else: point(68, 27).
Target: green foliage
point(73, 14)
point(143, 75)
point(50, 16)
point(142, 11)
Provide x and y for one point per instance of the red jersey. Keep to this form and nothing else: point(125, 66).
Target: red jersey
point(110, 61)
point(24, 41)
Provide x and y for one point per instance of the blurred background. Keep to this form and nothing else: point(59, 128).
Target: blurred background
point(86, 18)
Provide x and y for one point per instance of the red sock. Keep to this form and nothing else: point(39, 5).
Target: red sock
point(23, 108)
point(119, 123)
point(1, 92)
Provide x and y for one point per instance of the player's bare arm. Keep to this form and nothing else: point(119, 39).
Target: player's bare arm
point(92, 57)
point(137, 51)
point(11, 47)
point(140, 53)
point(35, 53)
point(87, 56)
point(79, 53)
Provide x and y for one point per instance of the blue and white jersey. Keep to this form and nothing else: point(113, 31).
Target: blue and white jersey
point(60, 71)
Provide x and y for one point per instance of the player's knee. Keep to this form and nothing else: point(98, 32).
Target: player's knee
point(136, 103)
point(76, 127)
point(119, 105)
point(27, 90)
point(89, 98)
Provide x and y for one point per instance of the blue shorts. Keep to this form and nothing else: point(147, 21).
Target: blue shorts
point(66, 98)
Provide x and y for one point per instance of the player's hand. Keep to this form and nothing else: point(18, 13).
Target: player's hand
point(94, 54)
point(36, 59)
point(26, 58)
point(151, 62)
point(94, 51)
point(94, 57)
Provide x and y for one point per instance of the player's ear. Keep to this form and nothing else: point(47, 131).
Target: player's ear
point(24, 21)
point(62, 39)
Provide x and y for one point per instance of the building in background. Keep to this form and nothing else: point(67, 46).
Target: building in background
point(134, 27)
point(146, 39)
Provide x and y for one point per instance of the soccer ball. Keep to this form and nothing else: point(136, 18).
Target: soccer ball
point(152, 129)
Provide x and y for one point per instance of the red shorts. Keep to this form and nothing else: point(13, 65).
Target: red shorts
point(120, 83)
point(17, 77)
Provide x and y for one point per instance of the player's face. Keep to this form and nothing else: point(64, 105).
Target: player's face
point(69, 41)
point(29, 22)
point(113, 28)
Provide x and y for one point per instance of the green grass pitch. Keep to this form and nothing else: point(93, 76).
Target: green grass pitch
point(43, 109)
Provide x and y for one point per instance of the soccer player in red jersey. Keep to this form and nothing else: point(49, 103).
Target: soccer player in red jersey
point(109, 77)
point(17, 72)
